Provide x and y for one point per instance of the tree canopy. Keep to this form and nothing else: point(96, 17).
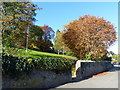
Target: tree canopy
point(18, 29)
point(16, 18)
point(89, 35)
point(59, 44)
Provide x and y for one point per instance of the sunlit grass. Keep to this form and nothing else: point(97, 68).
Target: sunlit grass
point(33, 53)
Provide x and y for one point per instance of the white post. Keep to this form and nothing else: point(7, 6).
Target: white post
point(77, 66)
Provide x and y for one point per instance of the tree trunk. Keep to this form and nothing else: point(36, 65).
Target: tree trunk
point(58, 51)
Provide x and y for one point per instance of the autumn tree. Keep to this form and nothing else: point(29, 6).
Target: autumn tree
point(16, 18)
point(89, 35)
point(47, 36)
point(35, 37)
point(59, 44)
point(48, 32)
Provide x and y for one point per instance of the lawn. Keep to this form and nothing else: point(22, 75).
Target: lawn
point(33, 53)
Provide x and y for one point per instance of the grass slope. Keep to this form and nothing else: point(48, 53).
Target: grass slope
point(33, 53)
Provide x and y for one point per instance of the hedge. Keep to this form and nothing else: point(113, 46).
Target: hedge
point(15, 65)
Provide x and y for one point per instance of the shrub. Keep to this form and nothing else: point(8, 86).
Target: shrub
point(108, 59)
point(16, 65)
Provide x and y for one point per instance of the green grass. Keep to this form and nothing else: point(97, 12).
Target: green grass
point(33, 53)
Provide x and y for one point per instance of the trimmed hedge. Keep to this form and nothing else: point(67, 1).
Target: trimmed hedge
point(15, 65)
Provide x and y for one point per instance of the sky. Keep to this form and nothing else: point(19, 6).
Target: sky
point(57, 14)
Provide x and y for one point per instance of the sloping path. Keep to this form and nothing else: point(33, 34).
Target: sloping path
point(103, 80)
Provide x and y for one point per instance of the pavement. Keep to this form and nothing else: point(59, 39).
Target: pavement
point(103, 80)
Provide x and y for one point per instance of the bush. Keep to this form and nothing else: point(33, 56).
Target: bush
point(15, 65)
point(108, 59)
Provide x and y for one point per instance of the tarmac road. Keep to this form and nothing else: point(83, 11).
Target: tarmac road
point(105, 80)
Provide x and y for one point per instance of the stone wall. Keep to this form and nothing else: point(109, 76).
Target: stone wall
point(90, 68)
point(37, 79)
point(48, 79)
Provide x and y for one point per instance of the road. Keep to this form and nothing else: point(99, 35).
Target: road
point(105, 80)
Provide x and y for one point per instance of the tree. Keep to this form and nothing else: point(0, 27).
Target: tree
point(46, 46)
point(35, 37)
point(89, 35)
point(46, 37)
point(48, 32)
point(59, 43)
point(16, 17)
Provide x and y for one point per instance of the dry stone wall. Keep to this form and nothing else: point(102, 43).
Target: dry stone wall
point(90, 68)
point(37, 79)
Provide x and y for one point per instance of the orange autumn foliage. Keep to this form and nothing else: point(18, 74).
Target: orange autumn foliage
point(89, 34)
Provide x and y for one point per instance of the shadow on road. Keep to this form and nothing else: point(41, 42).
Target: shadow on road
point(72, 81)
